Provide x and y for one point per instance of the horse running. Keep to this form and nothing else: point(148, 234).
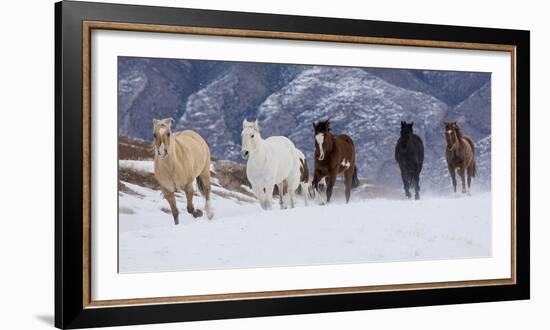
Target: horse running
point(334, 154)
point(180, 158)
point(272, 161)
point(460, 154)
point(409, 153)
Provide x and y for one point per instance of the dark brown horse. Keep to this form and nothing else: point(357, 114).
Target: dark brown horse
point(460, 154)
point(334, 154)
point(409, 154)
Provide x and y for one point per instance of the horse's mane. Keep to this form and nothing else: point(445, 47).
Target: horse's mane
point(323, 125)
point(462, 138)
point(459, 132)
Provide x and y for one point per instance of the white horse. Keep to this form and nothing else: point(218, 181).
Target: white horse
point(270, 162)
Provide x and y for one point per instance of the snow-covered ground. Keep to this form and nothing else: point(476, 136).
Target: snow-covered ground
point(138, 165)
point(242, 235)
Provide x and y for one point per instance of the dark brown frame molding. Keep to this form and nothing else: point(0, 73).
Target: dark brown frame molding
point(75, 23)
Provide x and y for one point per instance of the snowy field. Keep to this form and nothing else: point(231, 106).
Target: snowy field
point(242, 235)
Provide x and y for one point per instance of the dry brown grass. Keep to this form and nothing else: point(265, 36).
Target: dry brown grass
point(138, 177)
point(134, 149)
point(231, 175)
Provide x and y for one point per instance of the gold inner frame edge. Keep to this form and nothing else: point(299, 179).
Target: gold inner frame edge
point(88, 26)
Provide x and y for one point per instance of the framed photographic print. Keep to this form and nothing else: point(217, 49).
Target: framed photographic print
point(218, 164)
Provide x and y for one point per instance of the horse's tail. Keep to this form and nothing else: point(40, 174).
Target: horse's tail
point(355, 180)
point(200, 184)
point(473, 168)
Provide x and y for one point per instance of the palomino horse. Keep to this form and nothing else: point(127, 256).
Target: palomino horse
point(409, 153)
point(270, 162)
point(460, 154)
point(334, 154)
point(181, 158)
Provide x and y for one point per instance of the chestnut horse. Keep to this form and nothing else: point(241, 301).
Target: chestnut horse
point(334, 154)
point(460, 154)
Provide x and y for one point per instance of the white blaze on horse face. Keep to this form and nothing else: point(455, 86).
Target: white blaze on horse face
point(345, 163)
point(320, 138)
point(449, 132)
point(162, 151)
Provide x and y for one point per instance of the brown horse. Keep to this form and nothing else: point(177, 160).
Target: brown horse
point(460, 154)
point(334, 154)
point(180, 158)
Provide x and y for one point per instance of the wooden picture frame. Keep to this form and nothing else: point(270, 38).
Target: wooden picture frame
point(74, 307)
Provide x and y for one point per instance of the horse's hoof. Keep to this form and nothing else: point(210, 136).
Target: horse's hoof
point(416, 197)
point(210, 215)
point(197, 213)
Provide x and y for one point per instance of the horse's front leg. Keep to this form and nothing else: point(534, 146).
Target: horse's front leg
point(461, 172)
point(330, 180)
point(406, 182)
point(348, 181)
point(281, 189)
point(470, 173)
point(417, 185)
point(259, 193)
point(169, 196)
point(304, 187)
point(292, 196)
point(317, 191)
point(453, 177)
point(268, 196)
point(190, 207)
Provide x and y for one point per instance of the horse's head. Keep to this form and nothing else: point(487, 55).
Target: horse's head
point(323, 139)
point(450, 133)
point(406, 130)
point(250, 137)
point(162, 134)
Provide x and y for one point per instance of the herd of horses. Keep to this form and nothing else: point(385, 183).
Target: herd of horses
point(184, 157)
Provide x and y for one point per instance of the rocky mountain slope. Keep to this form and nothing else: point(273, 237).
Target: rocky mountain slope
point(213, 98)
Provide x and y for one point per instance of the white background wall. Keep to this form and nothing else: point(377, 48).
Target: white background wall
point(27, 163)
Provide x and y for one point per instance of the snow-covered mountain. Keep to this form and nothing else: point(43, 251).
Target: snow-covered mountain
point(213, 98)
